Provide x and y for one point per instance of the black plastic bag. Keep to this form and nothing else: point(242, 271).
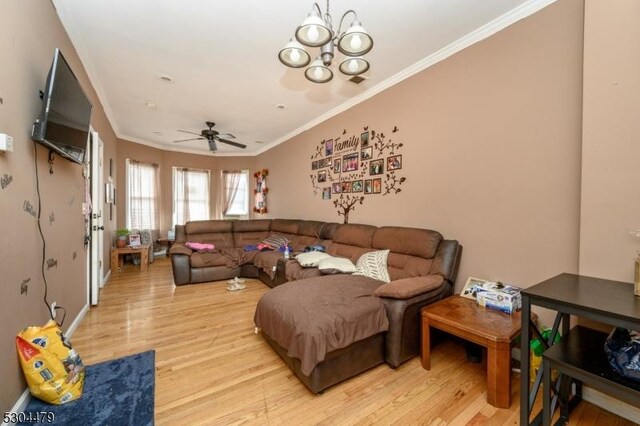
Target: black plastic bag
point(623, 351)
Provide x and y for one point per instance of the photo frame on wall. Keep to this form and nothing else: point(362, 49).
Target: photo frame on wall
point(350, 162)
point(368, 186)
point(336, 188)
point(367, 153)
point(326, 193)
point(377, 186)
point(376, 167)
point(356, 186)
point(337, 165)
point(394, 162)
point(346, 187)
point(314, 165)
point(328, 148)
point(364, 140)
point(322, 176)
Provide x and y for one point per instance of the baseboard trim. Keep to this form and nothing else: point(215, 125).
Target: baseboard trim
point(105, 279)
point(24, 399)
point(76, 322)
point(613, 405)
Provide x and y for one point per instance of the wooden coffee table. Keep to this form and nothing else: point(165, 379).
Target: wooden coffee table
point(486, 327)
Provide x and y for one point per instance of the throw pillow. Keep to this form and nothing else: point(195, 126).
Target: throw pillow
point(336, 265)
point(275, 241)
point(311, 259)
point(409, 287)
point(374, 265)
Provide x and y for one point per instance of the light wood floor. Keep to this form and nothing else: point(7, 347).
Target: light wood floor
point(212, 369)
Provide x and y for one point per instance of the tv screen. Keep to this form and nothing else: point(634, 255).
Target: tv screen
point(63, 125)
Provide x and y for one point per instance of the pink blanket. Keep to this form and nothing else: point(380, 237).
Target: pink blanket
point(200, 246)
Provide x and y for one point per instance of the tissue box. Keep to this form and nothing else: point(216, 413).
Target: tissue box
point(506, 298)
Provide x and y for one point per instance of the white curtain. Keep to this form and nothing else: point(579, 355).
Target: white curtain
point(190, 195)
point(142, 195)
point(230, 194)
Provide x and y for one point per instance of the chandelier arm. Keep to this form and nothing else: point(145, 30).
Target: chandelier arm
point(344, 15)
point(317, 7)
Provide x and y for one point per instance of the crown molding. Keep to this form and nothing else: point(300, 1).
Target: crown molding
point(165, 147)
point(487, 30)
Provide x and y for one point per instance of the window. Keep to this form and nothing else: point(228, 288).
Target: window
point(190, 195)
point(235, 193)
point(142, 195)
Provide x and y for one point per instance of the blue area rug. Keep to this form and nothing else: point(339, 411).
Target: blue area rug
point(118, 392)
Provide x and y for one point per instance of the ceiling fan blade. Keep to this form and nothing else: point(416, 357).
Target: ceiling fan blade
point(239, 145)
point(186, 131)
point(187, 140)
point(227, 135)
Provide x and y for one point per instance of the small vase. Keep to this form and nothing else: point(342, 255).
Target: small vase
point(636, 288)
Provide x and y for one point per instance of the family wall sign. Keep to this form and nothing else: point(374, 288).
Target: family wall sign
point(349, 168)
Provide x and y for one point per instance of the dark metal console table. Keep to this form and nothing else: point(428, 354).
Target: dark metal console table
point(579, 357)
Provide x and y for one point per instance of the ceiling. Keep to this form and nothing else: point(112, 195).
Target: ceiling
point(222, 57)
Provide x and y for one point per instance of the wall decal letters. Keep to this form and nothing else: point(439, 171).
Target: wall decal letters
point(28, 207)
point(24, 287)
point(5, 180)
point(51, 263)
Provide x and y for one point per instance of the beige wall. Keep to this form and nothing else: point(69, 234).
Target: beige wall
point(167, 160)
point(611, 141)
point(492, 151)
point(29, 33)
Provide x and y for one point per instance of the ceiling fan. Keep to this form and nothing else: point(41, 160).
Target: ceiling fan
point(212, 136)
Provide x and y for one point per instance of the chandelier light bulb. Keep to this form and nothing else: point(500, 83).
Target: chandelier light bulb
point(295, 55)
point(356, 42)
point(353, 66)
point(317, 73)
point(313, 33)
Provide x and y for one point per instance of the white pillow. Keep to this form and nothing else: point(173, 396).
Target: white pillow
point(311, 259)
point(374, 265)
point(336, 265)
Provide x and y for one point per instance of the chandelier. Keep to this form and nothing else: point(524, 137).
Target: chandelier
point(317, 31)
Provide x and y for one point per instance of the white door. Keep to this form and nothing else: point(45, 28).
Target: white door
point(97, 228)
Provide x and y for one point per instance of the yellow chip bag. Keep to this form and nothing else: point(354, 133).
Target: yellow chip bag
point(54, 371)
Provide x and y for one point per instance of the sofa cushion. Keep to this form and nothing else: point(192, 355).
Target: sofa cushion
point(285, 226)
point(409, 287)
point(328, 230)
point(241, 239)
point(336, 265)
point(350, 252)
point(251, 225)
point(374, 265)
point(311, 259)
point(206, 227)
point(405, 266)
point(412, 241)
point(355, 235)
point(294, 271)
point(310, 228)
point(300, 242)
point(203, 260)
point(267, 261)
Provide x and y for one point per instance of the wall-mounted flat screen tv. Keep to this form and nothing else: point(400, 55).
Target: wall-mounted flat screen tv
point(63, 125)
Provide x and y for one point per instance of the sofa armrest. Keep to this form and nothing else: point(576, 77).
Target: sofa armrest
point(181, 267)
point(402, 340)
point(179, 248)
point(407, 288)
point(447, 260)
point(180, 236)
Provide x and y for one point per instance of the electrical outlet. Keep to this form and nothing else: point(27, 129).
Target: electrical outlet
point(53, 310)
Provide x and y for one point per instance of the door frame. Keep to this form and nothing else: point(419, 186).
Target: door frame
point(96, 221)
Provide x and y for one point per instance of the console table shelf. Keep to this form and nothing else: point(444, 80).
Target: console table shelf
point(579, 356)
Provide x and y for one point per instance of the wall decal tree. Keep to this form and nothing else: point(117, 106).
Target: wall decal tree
point(344, 169)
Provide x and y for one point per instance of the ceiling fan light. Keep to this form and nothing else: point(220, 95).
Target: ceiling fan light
point(354, 66)
point(318, 72)
point(293, 55)
point(356, 41)
point(313, 32)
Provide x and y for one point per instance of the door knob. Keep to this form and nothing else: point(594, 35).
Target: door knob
point(100, 228)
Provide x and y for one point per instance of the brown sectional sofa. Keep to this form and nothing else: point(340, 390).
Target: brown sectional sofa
point(417, 256)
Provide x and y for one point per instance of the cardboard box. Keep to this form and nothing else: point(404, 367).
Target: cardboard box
point(506, 298)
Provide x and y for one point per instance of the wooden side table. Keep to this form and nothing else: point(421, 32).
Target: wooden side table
point(117, 261)
point(486, 327)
